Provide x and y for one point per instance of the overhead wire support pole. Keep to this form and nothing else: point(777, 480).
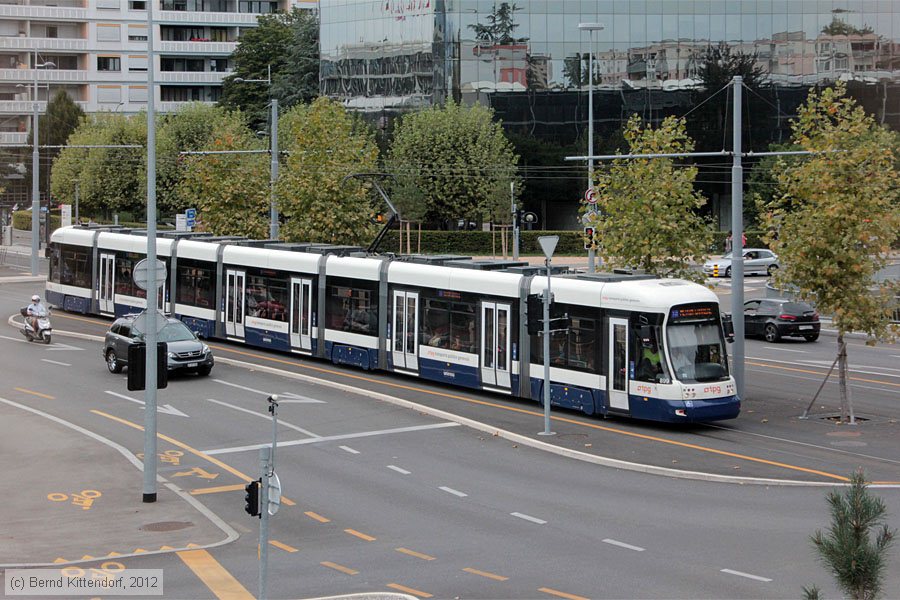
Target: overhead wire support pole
point(737, 245)
point(149, 494)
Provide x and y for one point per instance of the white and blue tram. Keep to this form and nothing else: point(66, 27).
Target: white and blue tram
point(634, 346)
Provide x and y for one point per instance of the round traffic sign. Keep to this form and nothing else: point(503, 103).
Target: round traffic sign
point(140, 275)
point(589, 196)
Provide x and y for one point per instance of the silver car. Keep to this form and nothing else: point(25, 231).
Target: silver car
point(186, 352)
point(756, 260)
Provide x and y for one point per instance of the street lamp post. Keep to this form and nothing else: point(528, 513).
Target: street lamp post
point(591, 28)
point(35, 174)
point(273, 151)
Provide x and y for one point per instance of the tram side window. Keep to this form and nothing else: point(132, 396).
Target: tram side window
point(651, 364)
point(266, 298)
point(195, 284)
point(449, 324)
point(352, 307)
point(574, 349)
point(75, 267)
point(54, 263)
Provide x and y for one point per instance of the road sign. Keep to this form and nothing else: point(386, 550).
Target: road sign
point(140, 275)
point(589, 196)
point(190, 216)
point(141, 321)
point(274, 493)
point(65, 215)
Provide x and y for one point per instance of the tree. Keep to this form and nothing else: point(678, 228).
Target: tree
point(500, 27)
point(194, 127)
point(56, 125)
point(847, 549)
point(838, 27)
point(110, 180)
point(836, 218)
point(324, 144)
point(458, 159)
point(281, 44)
point(648, 207)
point(230, 191)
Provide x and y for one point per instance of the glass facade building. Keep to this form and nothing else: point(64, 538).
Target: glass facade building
point(529, 58)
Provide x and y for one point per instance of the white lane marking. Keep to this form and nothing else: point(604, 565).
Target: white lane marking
point(15, 339)
point(529, 518)
point(399, 470)
point(263, 415)
point(288, 396)
point(622, 545)
point(819, 363)
point(780, 349)
point(55, 362)
point(450, 490)
point(58, 346)
point(827, 363)
point(167, 409)
point(747, 575)
point(348, 449)
point(330, 438)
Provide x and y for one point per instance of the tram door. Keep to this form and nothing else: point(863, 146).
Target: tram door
point(405, 344)
point(107, 283)
point(617, 382)
point(495, 344)
point(234, 302)
point(301, 313)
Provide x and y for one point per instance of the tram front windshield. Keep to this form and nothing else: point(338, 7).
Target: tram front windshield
point(696, 345)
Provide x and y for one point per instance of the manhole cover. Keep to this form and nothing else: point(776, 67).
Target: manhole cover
point(837, 419)
point(166, 526)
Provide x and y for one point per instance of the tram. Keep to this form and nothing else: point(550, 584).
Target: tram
point(634, 346)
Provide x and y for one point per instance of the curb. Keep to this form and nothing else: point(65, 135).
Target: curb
point(502, 433)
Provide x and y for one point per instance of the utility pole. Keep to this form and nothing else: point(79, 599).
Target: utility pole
point(36, 173)
point(273, 172)
point(737, 239)
point(515, 220)
point(151, 336)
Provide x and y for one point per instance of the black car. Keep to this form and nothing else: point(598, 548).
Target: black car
point(774, 319)
point(186, 352)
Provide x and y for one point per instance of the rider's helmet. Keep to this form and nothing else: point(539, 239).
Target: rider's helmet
point(35, 298)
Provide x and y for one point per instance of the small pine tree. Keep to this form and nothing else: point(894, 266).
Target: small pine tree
point(856, 561)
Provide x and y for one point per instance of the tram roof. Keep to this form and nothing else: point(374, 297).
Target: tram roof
point(651, 295)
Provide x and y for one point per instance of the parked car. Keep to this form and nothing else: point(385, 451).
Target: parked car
point(776, 318)
point(186, 352)
point(756, 260)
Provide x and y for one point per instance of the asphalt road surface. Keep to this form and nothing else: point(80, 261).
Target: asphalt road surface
point(383, 497)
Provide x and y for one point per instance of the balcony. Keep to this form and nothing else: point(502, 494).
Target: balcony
point(171, 107)
point(196, 77)
point(43, 44)
point(22, 107)
point(14, 138)
point(196, 18)
point(197, 47)
point(44, 75)
point(53, 13)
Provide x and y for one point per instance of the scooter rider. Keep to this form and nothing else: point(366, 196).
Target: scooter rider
point(36, 310)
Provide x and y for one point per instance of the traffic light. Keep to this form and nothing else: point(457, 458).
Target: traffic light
point(535, 309)
point(252, 498)
point(137, 366)
point(588, 238)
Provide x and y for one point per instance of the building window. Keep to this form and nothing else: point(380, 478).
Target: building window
point(109, 63)
point(137, 5)
point(52, 31)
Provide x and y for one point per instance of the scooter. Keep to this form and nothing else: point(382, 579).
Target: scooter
point(43, 324)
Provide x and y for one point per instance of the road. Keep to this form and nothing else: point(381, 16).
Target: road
point(386, 498)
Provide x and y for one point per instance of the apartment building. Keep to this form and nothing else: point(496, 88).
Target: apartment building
point(96, 50)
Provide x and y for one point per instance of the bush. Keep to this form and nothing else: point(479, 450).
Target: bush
point(22, 221)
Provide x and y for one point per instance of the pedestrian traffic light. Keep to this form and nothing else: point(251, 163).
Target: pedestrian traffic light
point(252, 498)
point(137, 366)
point(588, 238)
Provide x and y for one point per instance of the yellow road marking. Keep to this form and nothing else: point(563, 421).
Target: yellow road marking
point(409, 590)
point(33, 393)
point(340, 568)
point(219, 581)
point(485, 574)
point(414, 553)
point(534, 413)
point(215, 490)
point(316, 517)
point(360, 535)
point(561, 594)
point(282, 546)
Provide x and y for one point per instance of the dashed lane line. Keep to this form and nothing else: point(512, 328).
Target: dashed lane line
point(529, 518)
point(341, 568)
point(33, 393)
point(493, 576)
point(399, 470)
point(450, 490)
point(747, 575)
point(219, 581)
point(409, 590)
point(415, 554)
point(622, 545)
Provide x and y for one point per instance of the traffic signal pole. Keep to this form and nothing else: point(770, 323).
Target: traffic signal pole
point(264, 465)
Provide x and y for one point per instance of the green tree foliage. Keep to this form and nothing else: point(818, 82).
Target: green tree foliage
point(500, 25)
point(837, 216)
point(56, 125)
point(194, 127)
point(324, 144)
point(838, 27)
point(111, 180)
point(649, 219)
point(284, 43)
point(456, 160)
point(855, 546)
point(762, 187)
point(230, 191)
